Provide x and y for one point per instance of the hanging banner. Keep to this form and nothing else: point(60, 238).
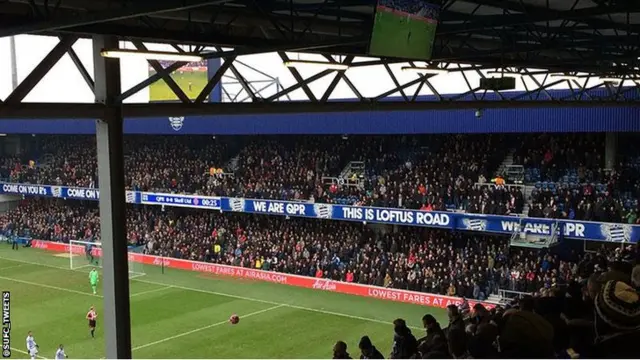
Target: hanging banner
point(584, 230)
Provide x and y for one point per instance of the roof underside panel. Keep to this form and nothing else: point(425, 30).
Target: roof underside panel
point(579, 35)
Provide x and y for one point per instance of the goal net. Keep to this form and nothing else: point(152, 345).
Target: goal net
point(83, 254)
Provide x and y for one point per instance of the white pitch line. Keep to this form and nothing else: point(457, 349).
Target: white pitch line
point(12, 267)
point(277, 303)
point(48, 286)
point(79, 292)
point(235, 297)
point(76, 291)
point(150, 291)
point(26, 353)
point(205, 328)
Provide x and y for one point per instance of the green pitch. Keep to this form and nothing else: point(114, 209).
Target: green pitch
point(399, 36)
point(160, 91)
point(182, 314)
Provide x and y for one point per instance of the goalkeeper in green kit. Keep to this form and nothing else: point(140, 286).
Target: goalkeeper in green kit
point(93, 280)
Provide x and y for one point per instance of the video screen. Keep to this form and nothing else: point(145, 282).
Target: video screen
point(404, 29)
point(191, 78)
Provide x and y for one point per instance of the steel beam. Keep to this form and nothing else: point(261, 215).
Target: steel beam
point(50, 110)
point(538, 15)
point(49, 61)
point(542, 12)
point(344, 77)
point(162, 109)
point(81, 68)
point(299, 84)
point(150, 80)
point(28, 111)
point(108, 15)
point(214, 38)
point(243, 82)
point(215, 80)
point(177, 91)
point(109, 135)
point(336, 80)
point(296, 75)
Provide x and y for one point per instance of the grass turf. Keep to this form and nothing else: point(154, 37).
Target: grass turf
point(180, 314)
point(160, 91)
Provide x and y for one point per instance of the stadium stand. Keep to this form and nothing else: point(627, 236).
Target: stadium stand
point(556, 319)
point(435, 261)
point(553, 176)
point(570, 181)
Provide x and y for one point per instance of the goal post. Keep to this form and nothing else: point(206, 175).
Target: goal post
point(86, 254)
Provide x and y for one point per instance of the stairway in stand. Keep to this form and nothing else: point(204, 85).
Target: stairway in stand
point(508, 161)
point(494, 299)
point(528, 189)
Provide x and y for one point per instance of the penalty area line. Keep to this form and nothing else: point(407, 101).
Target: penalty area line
point(151, 291)
point(26, 353)
point(165, 287)
point(48, 286)
point(13, 266)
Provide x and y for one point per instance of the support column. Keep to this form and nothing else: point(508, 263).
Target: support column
point(14, 63)
point(611, 147)
point(109, 134)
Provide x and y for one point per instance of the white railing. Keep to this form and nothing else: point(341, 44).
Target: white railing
point(514, 173)
point(341, 181)
point(506, 186)
point(511, 294)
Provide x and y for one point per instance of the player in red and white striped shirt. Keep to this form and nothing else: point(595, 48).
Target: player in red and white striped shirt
point(92, 316)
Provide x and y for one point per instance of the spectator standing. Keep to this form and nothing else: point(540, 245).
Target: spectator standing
point(340, 351)
point(617, 322)
point(457, 342)
point(367, 350)
point(405, 345)
point(635, 277)
point(455, 318)
point(526, 335)
point(435, 341)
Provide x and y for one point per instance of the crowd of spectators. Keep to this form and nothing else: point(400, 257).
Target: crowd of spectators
point(152, 163)
point(427, 260)
point(570, 179)
point(557, 319)
point(439, 174)
point(430, 172)
point(598, 319)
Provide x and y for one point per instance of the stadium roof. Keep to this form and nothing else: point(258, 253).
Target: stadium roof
point(579, 35)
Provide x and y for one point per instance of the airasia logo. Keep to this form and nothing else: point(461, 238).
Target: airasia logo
point(39, 245)
point(159, 261)
point(324, 285)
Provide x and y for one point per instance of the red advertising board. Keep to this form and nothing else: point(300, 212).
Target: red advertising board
point(404, 296)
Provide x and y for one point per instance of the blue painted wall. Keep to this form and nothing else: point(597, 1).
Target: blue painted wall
point(620, 119)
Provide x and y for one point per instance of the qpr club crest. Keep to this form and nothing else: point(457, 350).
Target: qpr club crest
point(323, 211)
point(56, 191)
point(620, 233)
point(475, 224)
point(130, 197)
point(236, 204)
point(176, 122)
